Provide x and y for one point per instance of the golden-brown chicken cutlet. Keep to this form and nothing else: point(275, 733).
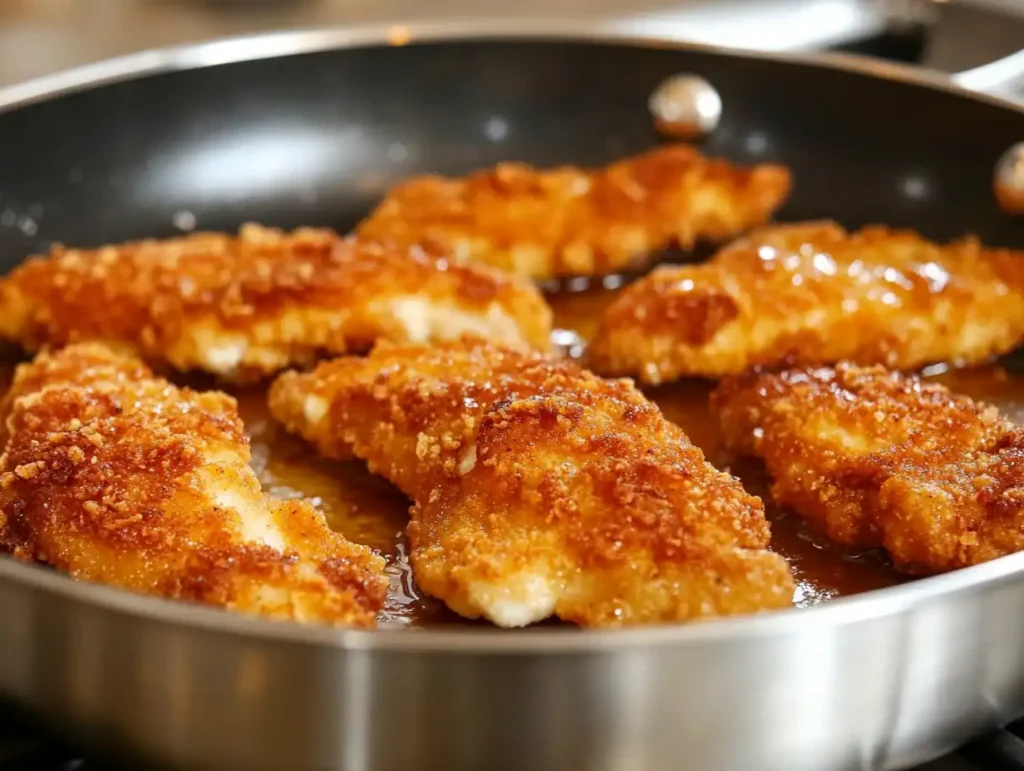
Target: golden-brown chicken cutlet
point(248, 305)
point(876, 458)
point(815, 294)
point(114, 476)
point(540, 489)
point(569, 221)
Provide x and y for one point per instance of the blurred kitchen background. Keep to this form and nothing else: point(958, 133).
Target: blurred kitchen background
point(38, 37)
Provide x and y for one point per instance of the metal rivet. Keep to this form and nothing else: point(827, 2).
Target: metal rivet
point(1009, 180)
point(568, 343)
point(685, 106)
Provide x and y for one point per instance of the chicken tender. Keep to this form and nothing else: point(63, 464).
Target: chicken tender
point(244, 307)
point(874, 458)
point(815, 294)
point(568, 221)
point(541, 489)
point(114, 476)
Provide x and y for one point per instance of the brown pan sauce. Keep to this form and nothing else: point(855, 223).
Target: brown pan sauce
point(368, 510)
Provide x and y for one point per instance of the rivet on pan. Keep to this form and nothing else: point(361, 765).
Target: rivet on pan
point(184, 221)
point(685, 107)
point(1009, 180)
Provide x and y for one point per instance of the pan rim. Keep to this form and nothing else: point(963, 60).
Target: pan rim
point(870, 606)
point(277, 44)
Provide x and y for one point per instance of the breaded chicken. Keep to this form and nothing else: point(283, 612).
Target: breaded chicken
point(114, 476)
point(541, 489)
point(569, 221)
point(815, 294)
point(875, 458)
point(246, 306)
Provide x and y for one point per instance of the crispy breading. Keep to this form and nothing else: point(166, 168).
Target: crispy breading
point(114, 476)
point(246, 306)
point(815, 294)
point(875, 458)
point(568, 221)
point(541, 489)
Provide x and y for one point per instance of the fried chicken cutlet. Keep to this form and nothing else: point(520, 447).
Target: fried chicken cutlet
point(874, 458)
point(540, 489)
point(247, 306)
point(815, 294)
point(574, 222)
point(114, 476)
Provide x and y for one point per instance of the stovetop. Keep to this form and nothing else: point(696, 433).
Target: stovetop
point(23, 749)
point(998, 751)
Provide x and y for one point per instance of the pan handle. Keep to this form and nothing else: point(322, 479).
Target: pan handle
point(1003, 77)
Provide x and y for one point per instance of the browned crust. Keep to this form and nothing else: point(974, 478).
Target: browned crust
point(243, 307)
point(815, 294)
point(114, 476)
point(521, 464)
point(874, 458)
point(568, 221)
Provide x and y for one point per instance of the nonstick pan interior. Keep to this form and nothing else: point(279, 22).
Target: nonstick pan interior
point(317, 138)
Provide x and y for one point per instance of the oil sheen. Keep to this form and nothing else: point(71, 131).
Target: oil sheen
point(368, 510)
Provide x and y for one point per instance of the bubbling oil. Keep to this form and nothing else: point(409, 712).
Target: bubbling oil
point(368, 510)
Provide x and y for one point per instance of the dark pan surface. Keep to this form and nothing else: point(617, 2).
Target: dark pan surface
point(318, 138)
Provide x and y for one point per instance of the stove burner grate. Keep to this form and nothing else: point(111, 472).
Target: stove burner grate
point(21, 750)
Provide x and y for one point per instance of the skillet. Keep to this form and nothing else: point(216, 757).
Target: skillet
point(312, 128)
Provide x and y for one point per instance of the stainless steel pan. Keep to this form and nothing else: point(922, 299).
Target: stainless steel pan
point(302, 128)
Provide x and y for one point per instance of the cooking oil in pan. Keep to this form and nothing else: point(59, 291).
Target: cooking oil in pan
point(368, 510)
